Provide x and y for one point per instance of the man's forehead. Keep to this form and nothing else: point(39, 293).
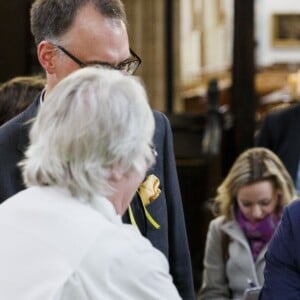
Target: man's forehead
point(98, 37)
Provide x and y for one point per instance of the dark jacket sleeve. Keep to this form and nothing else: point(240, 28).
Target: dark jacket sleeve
point(178, 249)
point(180, 254)
point(13, 142)
point(282, 271)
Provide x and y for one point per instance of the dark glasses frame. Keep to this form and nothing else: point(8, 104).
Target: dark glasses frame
point(128, 66)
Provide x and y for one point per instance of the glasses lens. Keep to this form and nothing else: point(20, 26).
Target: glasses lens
point(103, 66)
point(129, 67)
point(133, 66)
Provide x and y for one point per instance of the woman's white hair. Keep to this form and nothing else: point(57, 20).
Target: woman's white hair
point(91, 121)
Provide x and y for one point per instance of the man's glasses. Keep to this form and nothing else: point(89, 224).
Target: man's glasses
point(128, 66)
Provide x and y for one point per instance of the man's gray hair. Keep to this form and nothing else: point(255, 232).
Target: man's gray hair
point(50, 19)
point(92, 120)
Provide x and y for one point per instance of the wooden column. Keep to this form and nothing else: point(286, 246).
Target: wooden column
point(147, 37)
point(169, 57)
point(243, 92)
point(13, 32)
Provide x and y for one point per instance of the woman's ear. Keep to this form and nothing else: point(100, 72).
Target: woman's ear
point(116, 173)
point(46, 55)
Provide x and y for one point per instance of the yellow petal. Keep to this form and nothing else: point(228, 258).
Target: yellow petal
point(149, 190)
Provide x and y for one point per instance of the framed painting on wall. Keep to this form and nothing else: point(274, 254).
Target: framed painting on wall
point(286, 30)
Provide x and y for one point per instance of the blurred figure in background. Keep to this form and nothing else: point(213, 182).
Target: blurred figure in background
point(63, 236)
point(17, 94)
point(280, 133)
point(249, 206)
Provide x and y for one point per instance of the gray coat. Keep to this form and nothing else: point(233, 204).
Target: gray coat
point(219, 277)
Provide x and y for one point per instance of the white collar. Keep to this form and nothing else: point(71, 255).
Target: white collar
point(42, 96)
point(105, 208)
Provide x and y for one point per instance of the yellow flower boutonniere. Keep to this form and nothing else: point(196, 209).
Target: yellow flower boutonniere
point(148, 191)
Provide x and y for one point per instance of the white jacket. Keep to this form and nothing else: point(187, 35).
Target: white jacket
point(220, 276)
point(56, 247)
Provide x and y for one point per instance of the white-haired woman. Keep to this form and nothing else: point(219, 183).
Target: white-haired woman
point(62, 237)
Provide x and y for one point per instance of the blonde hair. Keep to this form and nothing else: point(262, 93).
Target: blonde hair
point(253, 165)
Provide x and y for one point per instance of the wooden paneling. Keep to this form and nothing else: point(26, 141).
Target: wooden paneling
point(13, 32)
point(147, 35)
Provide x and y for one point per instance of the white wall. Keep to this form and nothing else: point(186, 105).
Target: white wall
point(189, 42)
point(205, 38)
point(266, 54)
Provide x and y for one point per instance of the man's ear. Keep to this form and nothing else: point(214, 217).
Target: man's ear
point(46, 55)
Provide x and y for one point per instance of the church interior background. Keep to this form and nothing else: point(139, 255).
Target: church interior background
point(196, 68)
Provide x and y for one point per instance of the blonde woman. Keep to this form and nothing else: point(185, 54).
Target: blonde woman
point(249, 206)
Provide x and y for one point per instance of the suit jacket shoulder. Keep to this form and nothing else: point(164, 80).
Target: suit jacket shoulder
point(283, 258)
point(279, 133)
point(13, 142)
point(10, 131)
point(276, 124)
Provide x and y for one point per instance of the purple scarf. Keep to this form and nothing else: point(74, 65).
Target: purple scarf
point(259, 234)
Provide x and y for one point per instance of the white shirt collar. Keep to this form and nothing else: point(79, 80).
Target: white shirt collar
point(42, 96)
point(106, 208)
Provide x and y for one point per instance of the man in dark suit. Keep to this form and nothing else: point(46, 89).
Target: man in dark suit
point(282, 271)
point(280, 133)
point(73, 34)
